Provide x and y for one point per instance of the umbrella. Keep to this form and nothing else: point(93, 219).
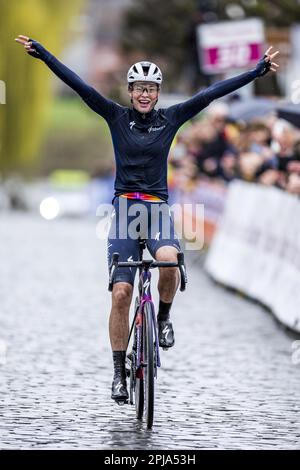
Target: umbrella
point(290, 112)
point(250, 109)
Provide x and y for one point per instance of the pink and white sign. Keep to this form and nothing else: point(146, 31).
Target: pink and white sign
point(228, 45)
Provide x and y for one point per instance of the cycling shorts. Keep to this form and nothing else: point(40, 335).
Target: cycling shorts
point(132, 219)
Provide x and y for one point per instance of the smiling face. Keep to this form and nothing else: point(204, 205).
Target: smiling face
point(144, 95)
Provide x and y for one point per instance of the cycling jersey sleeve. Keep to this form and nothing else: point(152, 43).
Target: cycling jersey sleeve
point(182, 112)
point(102, 106)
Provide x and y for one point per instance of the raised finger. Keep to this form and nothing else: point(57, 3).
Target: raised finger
point(274, 70)
point(274, 63)
point(23, 38)
point(268, 50)
point(274, 54)
point(21, 41)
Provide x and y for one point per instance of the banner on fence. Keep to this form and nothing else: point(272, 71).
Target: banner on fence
point(256, 248)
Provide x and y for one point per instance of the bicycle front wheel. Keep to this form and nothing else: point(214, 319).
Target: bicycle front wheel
point(138, 383)
point(139, 398)
point(148, 360)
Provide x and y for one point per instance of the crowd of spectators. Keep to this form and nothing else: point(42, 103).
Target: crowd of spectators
point(264, 150)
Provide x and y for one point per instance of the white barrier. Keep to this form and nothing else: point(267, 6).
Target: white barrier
point(256, 248)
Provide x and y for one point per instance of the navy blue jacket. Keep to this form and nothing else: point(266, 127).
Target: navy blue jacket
point(142, 141)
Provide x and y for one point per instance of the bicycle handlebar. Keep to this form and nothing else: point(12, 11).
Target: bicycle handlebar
point(148, 264)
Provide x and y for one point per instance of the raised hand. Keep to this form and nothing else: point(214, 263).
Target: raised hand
point(26, 42)
point(269, 58)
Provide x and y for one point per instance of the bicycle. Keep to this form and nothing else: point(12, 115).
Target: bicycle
point(144, 358)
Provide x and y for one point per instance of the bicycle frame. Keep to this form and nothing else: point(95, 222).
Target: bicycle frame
point(144, 296)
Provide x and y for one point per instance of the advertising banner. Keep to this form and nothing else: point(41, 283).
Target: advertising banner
point(256, 248)
point(230, 45)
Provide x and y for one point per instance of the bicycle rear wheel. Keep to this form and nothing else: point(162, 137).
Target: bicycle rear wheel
point(148, 360)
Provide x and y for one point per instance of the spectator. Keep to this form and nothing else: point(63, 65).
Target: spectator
point(265, 151)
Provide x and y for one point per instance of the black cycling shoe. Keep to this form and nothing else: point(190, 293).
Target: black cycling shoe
point(165, 334)
point(119, 391)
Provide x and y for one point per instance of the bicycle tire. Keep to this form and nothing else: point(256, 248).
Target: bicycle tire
point(148, 359)
point(139, 390)
point(131, 385)
point(139, 398)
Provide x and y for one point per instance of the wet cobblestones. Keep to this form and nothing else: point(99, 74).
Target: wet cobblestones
point(229, 383)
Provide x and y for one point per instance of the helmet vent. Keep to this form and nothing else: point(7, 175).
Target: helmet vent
point(146, 70)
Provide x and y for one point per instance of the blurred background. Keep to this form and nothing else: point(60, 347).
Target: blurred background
point(44, 127)
point(47, 135)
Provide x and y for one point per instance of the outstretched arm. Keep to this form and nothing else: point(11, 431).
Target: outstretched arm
point(106, 108)
point(186, 110)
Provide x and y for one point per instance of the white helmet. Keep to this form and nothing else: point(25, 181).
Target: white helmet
point(144, 72)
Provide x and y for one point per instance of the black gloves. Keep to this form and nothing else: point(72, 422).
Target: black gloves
point(40, 52)
point(263, 66)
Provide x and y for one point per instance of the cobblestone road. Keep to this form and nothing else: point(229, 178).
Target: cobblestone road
point(228, 384)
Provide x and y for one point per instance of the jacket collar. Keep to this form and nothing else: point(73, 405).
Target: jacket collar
point(143, 117)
